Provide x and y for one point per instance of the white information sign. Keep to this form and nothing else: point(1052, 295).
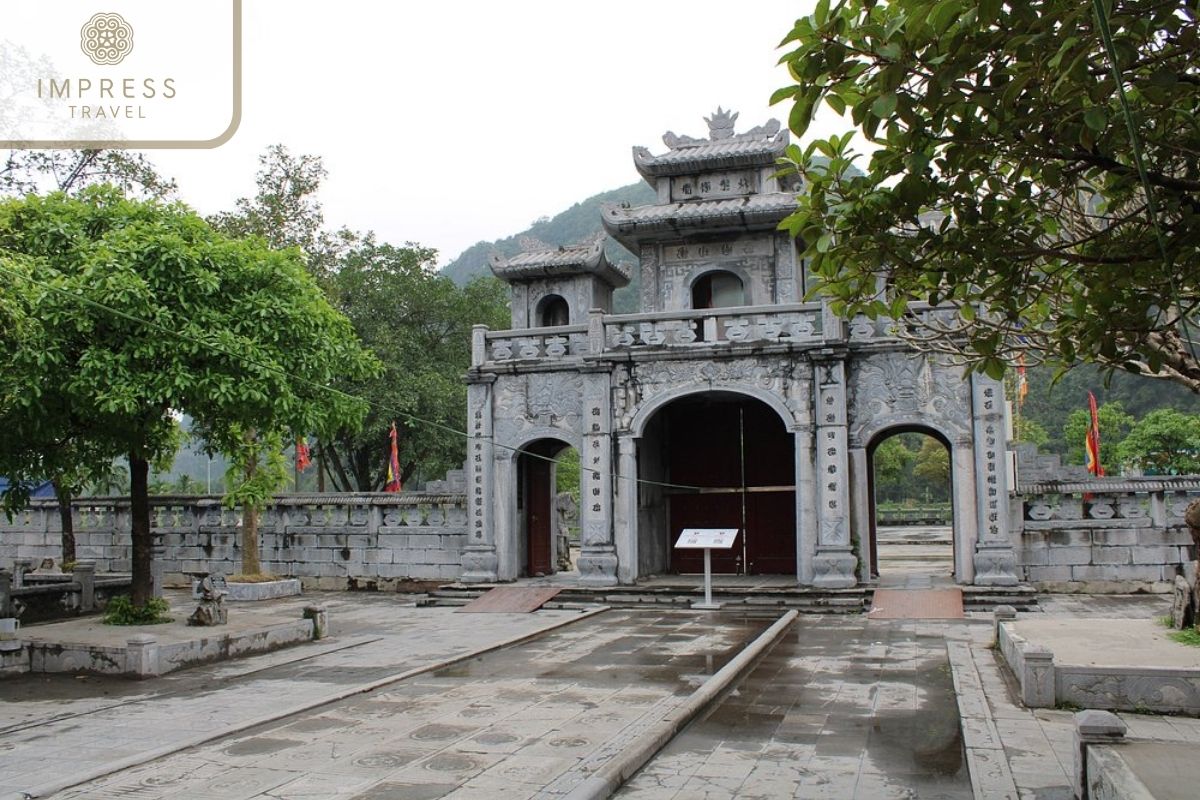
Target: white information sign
point(707, 538)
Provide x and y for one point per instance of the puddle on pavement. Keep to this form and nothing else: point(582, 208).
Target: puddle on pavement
point(260, 745)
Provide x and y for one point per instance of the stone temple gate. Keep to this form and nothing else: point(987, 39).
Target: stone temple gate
point(726, 402)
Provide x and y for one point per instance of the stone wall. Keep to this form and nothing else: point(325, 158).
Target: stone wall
point(329, 541)
point(1104, 534)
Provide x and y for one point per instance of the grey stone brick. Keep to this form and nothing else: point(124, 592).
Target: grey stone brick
point(1070, 555)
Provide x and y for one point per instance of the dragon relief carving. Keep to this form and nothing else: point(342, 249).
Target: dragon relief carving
point(907, 386)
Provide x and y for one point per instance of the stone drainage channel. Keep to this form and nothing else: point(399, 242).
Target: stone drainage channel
point(837, 708)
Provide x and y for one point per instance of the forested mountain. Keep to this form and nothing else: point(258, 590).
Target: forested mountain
point(579, 222)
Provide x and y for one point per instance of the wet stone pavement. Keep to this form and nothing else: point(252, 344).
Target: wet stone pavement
point(841, 708)
point(513, 723)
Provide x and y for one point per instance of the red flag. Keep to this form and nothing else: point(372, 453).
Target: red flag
point(1022, 381)
point(303, 461)
point(393, 471)
point(1092, 443)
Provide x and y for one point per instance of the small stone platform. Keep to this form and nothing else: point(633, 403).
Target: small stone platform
point(1101, 663)
point(89, 646)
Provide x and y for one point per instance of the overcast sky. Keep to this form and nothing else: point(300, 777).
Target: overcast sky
point(451, 123)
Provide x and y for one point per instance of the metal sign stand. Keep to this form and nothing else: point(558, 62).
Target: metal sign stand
point(707, 539)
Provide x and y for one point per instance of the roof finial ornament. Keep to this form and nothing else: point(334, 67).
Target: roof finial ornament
point(720, 124)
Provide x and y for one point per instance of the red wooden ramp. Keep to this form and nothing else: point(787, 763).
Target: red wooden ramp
point(917, 604)
point(511, 599)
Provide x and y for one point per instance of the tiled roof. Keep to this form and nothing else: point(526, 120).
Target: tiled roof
point(755, 211)
point(738, 151)
point(548, 260)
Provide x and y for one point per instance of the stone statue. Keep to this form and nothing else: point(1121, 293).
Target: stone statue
point(566, 512)
point(211, 610)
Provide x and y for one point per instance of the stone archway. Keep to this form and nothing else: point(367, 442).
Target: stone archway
point(536, 548)
point(715, 459)
point(870, 544)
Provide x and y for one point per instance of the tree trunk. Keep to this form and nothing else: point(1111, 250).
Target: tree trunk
point(139, 525)
point(250, 560)
point(68, 522)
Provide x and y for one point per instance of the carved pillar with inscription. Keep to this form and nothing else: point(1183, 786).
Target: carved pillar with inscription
point(834, 563)
point(479, 560)
point(598, 556)
point(995, 561)
point(625, 519)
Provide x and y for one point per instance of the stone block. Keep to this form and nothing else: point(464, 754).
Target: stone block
point(1036, 556)
point(1094, 572)
point(1156, 555)
point(1062, 556)
point(1070, 537)
point(1054, 573)
point(1116, 536)
point(1111, 555)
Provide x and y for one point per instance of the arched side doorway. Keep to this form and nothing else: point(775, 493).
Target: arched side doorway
point(537, 550)
point(553, 312)
point(910, 513)
point(717, 460)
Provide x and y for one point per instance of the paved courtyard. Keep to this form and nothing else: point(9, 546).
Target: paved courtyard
point(841, 707)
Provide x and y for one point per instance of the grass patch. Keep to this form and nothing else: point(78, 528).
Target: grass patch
point(121, 611)
point(260, 578)
point(1167, 621)
point(1188, 636)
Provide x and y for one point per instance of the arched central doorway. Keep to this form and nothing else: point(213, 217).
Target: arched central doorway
point(538, 550)
point(717, 460)
point(911, 513)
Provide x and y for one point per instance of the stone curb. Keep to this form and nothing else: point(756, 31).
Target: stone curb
point(47, 789)
point(609, 777)
point(987, 762)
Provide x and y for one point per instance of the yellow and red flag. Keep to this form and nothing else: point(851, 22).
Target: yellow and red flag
point(1022, 381)
point(303, 457)
point(1092, 442)
point(393, 470)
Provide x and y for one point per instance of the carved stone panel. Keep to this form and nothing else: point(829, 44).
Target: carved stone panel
point(896, 388)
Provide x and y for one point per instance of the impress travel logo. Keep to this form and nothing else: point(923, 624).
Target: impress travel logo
point(76, 76)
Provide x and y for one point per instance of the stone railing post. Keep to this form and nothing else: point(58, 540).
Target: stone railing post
point(6, 586)
point(1037, 679)
point(21, 567)
point(320, 620)
point(157, 554)
point(1001, 615)
point(596, 331)
point(141, 655)
point(1093, 727)
point(85, 576)
point(478, 345)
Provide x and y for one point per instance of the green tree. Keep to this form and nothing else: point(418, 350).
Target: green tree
point(932, 467)
point(1114, 427)
point(133, 311)
point(1030, 431)
point(1032, 172)
point(419, 325)
point(893, 462)
point(1164, 442)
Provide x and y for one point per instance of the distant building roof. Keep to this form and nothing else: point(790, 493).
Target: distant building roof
point(724, 149)
point(540, 260)
point(752, 212)
point(37, 489)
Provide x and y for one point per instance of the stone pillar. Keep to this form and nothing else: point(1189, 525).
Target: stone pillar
point(85, 576)
point(625, 520)
point(21, 567)
point(860, 509)
point(158, 552)
point(320, 620)
point(966, 510)
point(1037, 678)
point(1093, 727)
point(141, 656)
point(479, 561)
point(1001, 615)
point(834, 563)
point(6, 586)
point(806, 505)
point(478, 345)
point(598, 555)
point(995, 560)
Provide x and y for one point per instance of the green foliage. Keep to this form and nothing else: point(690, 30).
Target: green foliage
point(1164, 442)
point(1114, 426)
point(911, 468)
point(1005, 180)
point(1189, 636)
point(1030, 431)
point(135, 310)
point(419, 325)
point(121, 611)
point(566, 472)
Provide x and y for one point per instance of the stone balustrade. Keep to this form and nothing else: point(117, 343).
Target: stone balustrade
point(537, 343)
point(333, 541)
point(1105, 530)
